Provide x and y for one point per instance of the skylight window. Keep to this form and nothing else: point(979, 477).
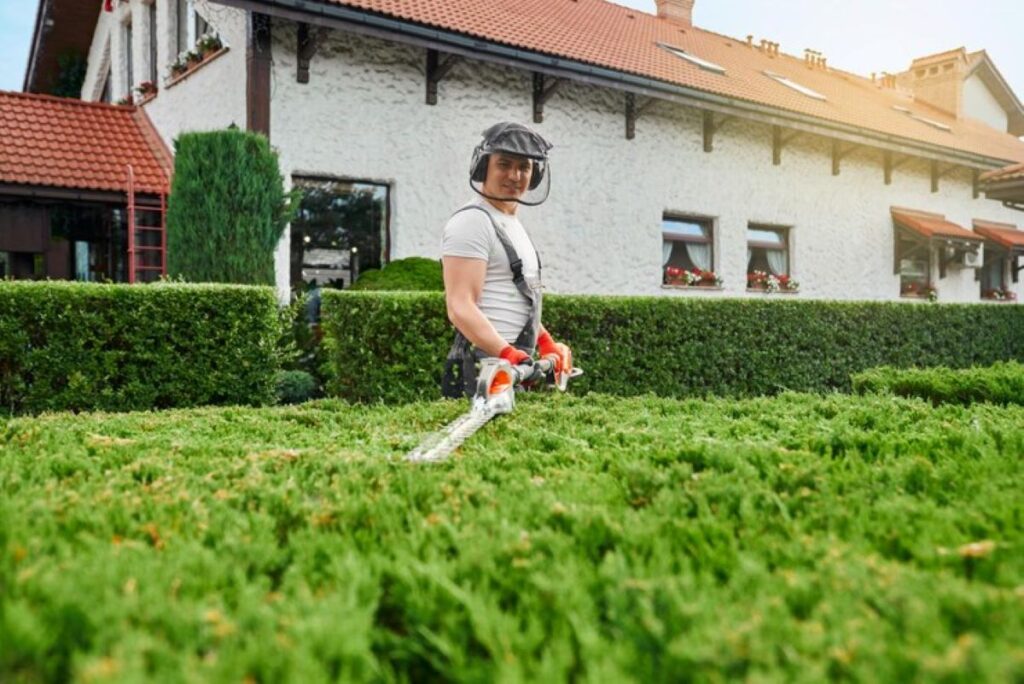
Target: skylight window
point(803, 90)
point(702, 63)
point(930, 122)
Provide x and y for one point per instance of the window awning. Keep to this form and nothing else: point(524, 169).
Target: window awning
point(1005, 235)
point(932, 226)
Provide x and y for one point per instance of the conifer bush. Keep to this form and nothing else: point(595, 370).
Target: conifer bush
point(227, 209)
point(1001, 383)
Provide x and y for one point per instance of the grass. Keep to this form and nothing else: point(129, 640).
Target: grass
point(797, 538)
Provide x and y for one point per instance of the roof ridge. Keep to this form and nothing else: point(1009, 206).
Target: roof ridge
point(67, 100)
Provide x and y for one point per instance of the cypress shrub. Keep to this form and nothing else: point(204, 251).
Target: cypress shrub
point(227, 209)
point(83, 346)
point(1001, 383)
point(391, 346)
point(412, 273)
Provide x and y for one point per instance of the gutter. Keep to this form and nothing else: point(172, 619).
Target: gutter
point(37, 35)
point(357, 21)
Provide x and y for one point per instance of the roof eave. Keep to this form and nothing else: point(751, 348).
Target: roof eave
point(34, 49)
point(381, 26)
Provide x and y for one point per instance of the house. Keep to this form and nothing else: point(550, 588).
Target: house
point(83, 190)
point(676, 148)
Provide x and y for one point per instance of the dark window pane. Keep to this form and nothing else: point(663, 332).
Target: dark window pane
point(341, 230)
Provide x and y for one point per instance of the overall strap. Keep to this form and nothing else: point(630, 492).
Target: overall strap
point(514, 262)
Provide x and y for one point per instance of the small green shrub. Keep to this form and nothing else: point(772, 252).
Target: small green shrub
point(391, 346)
point(1001, 383)
point(81, 346)
point(413, 273)
point(295, 386)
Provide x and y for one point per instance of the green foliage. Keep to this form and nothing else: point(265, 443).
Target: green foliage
point(227, 209)
point(1001, 383)
point(413, 273)
point(794, 538)
point(71, 68)
point(295, 386)
point(391, 346)
point(80, 346)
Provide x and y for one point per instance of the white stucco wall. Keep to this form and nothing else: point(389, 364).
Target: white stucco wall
point(981, 104)
point(211, 97)
point(363, 116)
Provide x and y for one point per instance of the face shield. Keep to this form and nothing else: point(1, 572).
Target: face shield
point(505, 151)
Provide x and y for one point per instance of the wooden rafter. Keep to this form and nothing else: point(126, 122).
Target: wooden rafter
point(633, 112)
point(436, 71)
point(893, 161)
point(938, 173)
point(543, 89)
point(839, 153)
point(308, 42)
point(779, 142)
point(711, 126)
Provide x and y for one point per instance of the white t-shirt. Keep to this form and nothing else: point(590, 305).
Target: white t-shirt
point(470, 234)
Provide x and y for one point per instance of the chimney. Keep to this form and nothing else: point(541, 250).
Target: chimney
point(939, 80)
point(676, 10)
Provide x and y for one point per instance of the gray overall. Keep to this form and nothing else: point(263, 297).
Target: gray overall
point(460, 366)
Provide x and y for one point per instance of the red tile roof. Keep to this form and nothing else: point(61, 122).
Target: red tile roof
point(1011, 172)
point(608, 35)
point(67, 143)
point(1001, 233)
point(931, 225)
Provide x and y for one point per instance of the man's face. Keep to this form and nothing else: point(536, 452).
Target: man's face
point(508, 175)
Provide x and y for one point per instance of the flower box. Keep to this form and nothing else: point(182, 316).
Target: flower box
point(691, 278)
point(919, 291)
point(999, 295)
point(771, 283)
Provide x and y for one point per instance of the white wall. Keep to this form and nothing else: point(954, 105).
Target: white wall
point(363, 116)
point(981, 104)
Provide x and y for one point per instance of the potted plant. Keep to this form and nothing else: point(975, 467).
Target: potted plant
point(695, 277)
point(769, 282)
point(922, 290)
point(126, 100)
point(179, 65)
point(193, 57)
point(146, 89)
point(208, 44)
point(999, 294)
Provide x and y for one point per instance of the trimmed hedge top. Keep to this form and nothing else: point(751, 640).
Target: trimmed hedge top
point(1001, 383)
point(391, 346)
point(81, 346)
point(413, 273)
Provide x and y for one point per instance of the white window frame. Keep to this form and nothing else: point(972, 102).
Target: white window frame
point(793, 85)
point(693, 59)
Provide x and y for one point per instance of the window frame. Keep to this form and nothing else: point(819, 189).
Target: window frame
point(298, 180)
point(707, 223)
point(787, 243)
point(152, 22)
point(128, 54)
point(903, 235)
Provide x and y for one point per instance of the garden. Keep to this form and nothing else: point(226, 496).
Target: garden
point(199, 485)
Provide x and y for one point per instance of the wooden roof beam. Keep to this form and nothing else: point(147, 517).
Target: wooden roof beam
point(436, 71)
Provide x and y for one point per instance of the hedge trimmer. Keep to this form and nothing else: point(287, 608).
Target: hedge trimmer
point(495, 394)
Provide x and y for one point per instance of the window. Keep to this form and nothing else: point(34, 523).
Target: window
point(767, 255)
point(993, 272)
point(702, 63)
point(913, 258)
point(687, 249)
point(129, 66)
point(342, 229)
point(181, 16)
point(5, 264)
point(201, 28)
point(803, 90)
point(106, 95)
point(151, 33)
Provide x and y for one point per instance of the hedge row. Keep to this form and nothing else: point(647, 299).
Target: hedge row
point(1001, 383)
point(391, 346)
point(78, 346)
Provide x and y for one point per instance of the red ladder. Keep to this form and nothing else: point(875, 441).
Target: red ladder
point(139, 246)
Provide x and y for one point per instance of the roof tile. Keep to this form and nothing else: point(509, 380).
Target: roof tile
point(67, 143)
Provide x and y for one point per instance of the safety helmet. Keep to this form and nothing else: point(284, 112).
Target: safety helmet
point(516, 139)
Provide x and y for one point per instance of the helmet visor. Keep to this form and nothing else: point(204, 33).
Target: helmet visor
point(513, 187)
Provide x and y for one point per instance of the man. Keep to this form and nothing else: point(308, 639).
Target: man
point(492, 272)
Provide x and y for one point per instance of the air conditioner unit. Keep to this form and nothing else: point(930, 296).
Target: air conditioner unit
point(972, 259)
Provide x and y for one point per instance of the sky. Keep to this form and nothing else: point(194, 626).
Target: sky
point(856, 35)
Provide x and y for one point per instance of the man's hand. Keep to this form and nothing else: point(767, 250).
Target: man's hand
point(514, 356)
point(559, 353)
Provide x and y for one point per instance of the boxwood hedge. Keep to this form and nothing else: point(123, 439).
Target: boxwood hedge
point(80, 346)
point(391, 346)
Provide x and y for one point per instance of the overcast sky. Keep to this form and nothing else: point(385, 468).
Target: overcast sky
point(857, 35)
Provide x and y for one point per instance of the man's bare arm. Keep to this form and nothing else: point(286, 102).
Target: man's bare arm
point(463, 284)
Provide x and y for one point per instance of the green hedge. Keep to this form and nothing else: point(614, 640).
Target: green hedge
point(77, 346)
point(412, 273)
point(391, 346)
point(1001, 383)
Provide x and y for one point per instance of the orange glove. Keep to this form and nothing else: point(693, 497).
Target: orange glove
point(556, 351)
point(514, 356)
